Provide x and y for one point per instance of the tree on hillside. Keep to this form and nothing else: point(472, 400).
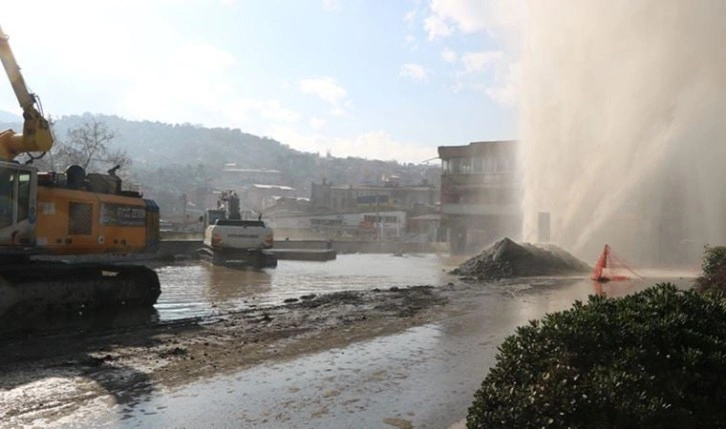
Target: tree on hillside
point(89, 145)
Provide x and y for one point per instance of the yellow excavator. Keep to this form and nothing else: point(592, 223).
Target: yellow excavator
point(58, 228)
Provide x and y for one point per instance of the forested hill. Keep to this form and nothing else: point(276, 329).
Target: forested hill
point(164, 150)
point(154, 144)
point(9, 118)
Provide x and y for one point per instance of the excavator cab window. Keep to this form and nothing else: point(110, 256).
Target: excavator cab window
point(15, 193)
point(7, 197)
point(23, 195)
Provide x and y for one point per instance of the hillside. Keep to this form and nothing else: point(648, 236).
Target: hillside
point(7, 117)
point(174, 158)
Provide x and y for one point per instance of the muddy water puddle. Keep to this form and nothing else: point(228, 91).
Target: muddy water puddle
point(199, 289)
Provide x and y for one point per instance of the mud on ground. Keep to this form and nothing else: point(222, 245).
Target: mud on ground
point(506, 259)
point(125, 364)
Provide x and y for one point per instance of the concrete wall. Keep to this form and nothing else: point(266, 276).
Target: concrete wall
point(388, 247)
point(178, 247)
point(350, 246)
point(187, 247)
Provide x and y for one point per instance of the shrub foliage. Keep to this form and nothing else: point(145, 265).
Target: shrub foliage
point(654, 359)
point(713, 267)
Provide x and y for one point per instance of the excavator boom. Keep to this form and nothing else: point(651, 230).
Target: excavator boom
point(36, 136)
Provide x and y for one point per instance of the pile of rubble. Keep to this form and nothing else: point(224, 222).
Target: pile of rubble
point(507, 259)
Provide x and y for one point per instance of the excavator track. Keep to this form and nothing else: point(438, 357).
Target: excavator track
point(35, 291)
point(256, 259)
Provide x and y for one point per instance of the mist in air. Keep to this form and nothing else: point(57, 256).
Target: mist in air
point(623, 125)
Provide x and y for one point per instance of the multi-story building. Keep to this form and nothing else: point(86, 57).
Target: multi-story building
point(480, 194)
point(390, 195)
point(359, 211)
point(379, 226)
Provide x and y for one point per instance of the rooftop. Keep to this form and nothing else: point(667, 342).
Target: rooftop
point(249, 170)
point(476, 148)
point(383, 188)
point(276, 187)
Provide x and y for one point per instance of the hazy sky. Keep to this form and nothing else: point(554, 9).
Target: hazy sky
point(385, 79)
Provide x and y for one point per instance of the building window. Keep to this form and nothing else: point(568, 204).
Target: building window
point(478, 164)
point(491, 165)
point(378, 219)
point(458, 166)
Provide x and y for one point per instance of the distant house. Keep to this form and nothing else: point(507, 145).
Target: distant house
point(259, 197)
point(233, 177)
point(480, 194)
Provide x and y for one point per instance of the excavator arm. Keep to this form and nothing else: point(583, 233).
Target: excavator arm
point(36, 136)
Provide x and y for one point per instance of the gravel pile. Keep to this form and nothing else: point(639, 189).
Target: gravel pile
point(507, 259)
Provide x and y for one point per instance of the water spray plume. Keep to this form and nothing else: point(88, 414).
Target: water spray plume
point(622, 125)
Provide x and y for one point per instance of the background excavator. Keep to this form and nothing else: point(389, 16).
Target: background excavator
point(51, 215)
point(232, 241)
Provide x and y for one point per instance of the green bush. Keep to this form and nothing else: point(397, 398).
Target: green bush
point(654, 359)
point(713, 267)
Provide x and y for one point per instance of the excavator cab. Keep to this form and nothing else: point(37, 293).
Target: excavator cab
point(18, 190)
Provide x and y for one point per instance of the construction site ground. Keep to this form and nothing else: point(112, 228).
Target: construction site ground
point(432, 347)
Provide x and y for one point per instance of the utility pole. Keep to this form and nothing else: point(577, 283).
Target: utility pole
point(378, 219)
point(184, 211)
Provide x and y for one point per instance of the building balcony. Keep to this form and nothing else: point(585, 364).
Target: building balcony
point(481, 209)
